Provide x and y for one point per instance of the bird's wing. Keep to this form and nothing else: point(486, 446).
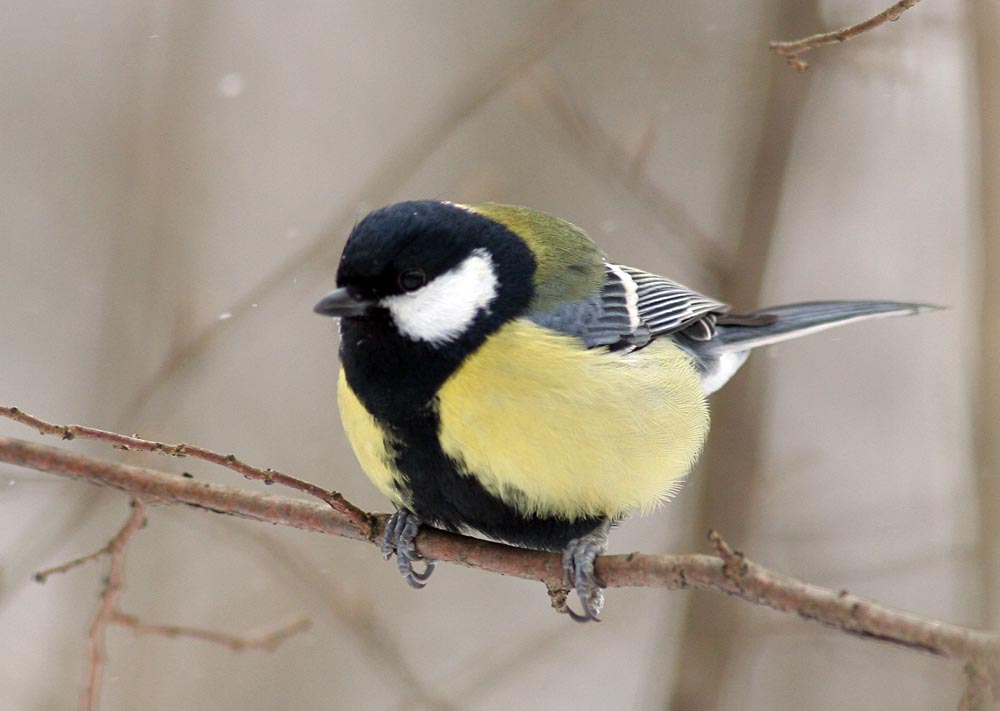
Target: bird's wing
point(631, 309)
point(668, 307)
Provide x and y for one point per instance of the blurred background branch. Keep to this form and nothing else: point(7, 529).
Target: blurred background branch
point(109, 612)
point(987, 397)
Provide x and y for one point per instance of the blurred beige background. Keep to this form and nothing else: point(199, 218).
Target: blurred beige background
point(176, 183)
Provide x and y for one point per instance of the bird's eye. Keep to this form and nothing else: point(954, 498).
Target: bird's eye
point(411, 279)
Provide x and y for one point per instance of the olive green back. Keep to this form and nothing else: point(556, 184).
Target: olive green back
point(570, 265)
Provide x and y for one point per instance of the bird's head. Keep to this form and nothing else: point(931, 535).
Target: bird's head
point(441, 272)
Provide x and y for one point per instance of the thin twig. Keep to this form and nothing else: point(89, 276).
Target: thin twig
point(792, 49)
point(42, 575)
point(109, 613)
point(269, 476)
point(732, 573)
point(113, 586)
point(267, 640)
point(977, 689)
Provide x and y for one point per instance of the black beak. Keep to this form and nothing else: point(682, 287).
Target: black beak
point(341, 303)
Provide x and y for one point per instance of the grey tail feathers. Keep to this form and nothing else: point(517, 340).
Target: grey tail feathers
point(781, 323)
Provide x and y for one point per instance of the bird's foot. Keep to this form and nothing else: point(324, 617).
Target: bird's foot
point(578, 569)
point(400, 532)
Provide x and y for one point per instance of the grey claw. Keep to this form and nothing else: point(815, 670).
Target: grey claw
point(578, 570)
point(417, 580)
point(393, 529)
point(429, 564)
point(400, 533)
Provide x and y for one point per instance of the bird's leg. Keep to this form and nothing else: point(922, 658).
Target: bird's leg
point(400, 531)
point(578, 567)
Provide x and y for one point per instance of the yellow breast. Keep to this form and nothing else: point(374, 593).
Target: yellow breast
point(372, 445)
point(555, 429)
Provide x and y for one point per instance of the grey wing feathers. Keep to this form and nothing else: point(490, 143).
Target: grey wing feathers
point(606, 318)
point(667, 307)
point(633, 307)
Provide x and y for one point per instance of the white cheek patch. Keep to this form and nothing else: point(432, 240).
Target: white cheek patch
point(443, 309)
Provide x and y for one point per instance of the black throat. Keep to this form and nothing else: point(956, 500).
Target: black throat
point(397, 377)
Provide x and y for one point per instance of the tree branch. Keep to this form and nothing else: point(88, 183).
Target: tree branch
point(157, 487)
point(269, 476)
point(792, 49)
point(729, 572)
point(973, 699)
point(114, 583)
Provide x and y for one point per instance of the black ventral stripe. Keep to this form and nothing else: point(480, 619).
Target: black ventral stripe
point(444, 495)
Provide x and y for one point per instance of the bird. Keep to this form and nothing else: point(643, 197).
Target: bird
point(500, 376)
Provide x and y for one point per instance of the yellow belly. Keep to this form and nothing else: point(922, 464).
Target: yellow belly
point(554, 429)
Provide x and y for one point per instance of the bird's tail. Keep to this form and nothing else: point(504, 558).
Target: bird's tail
point(781, 323)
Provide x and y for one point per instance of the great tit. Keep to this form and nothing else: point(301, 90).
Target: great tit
point(501, 376)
